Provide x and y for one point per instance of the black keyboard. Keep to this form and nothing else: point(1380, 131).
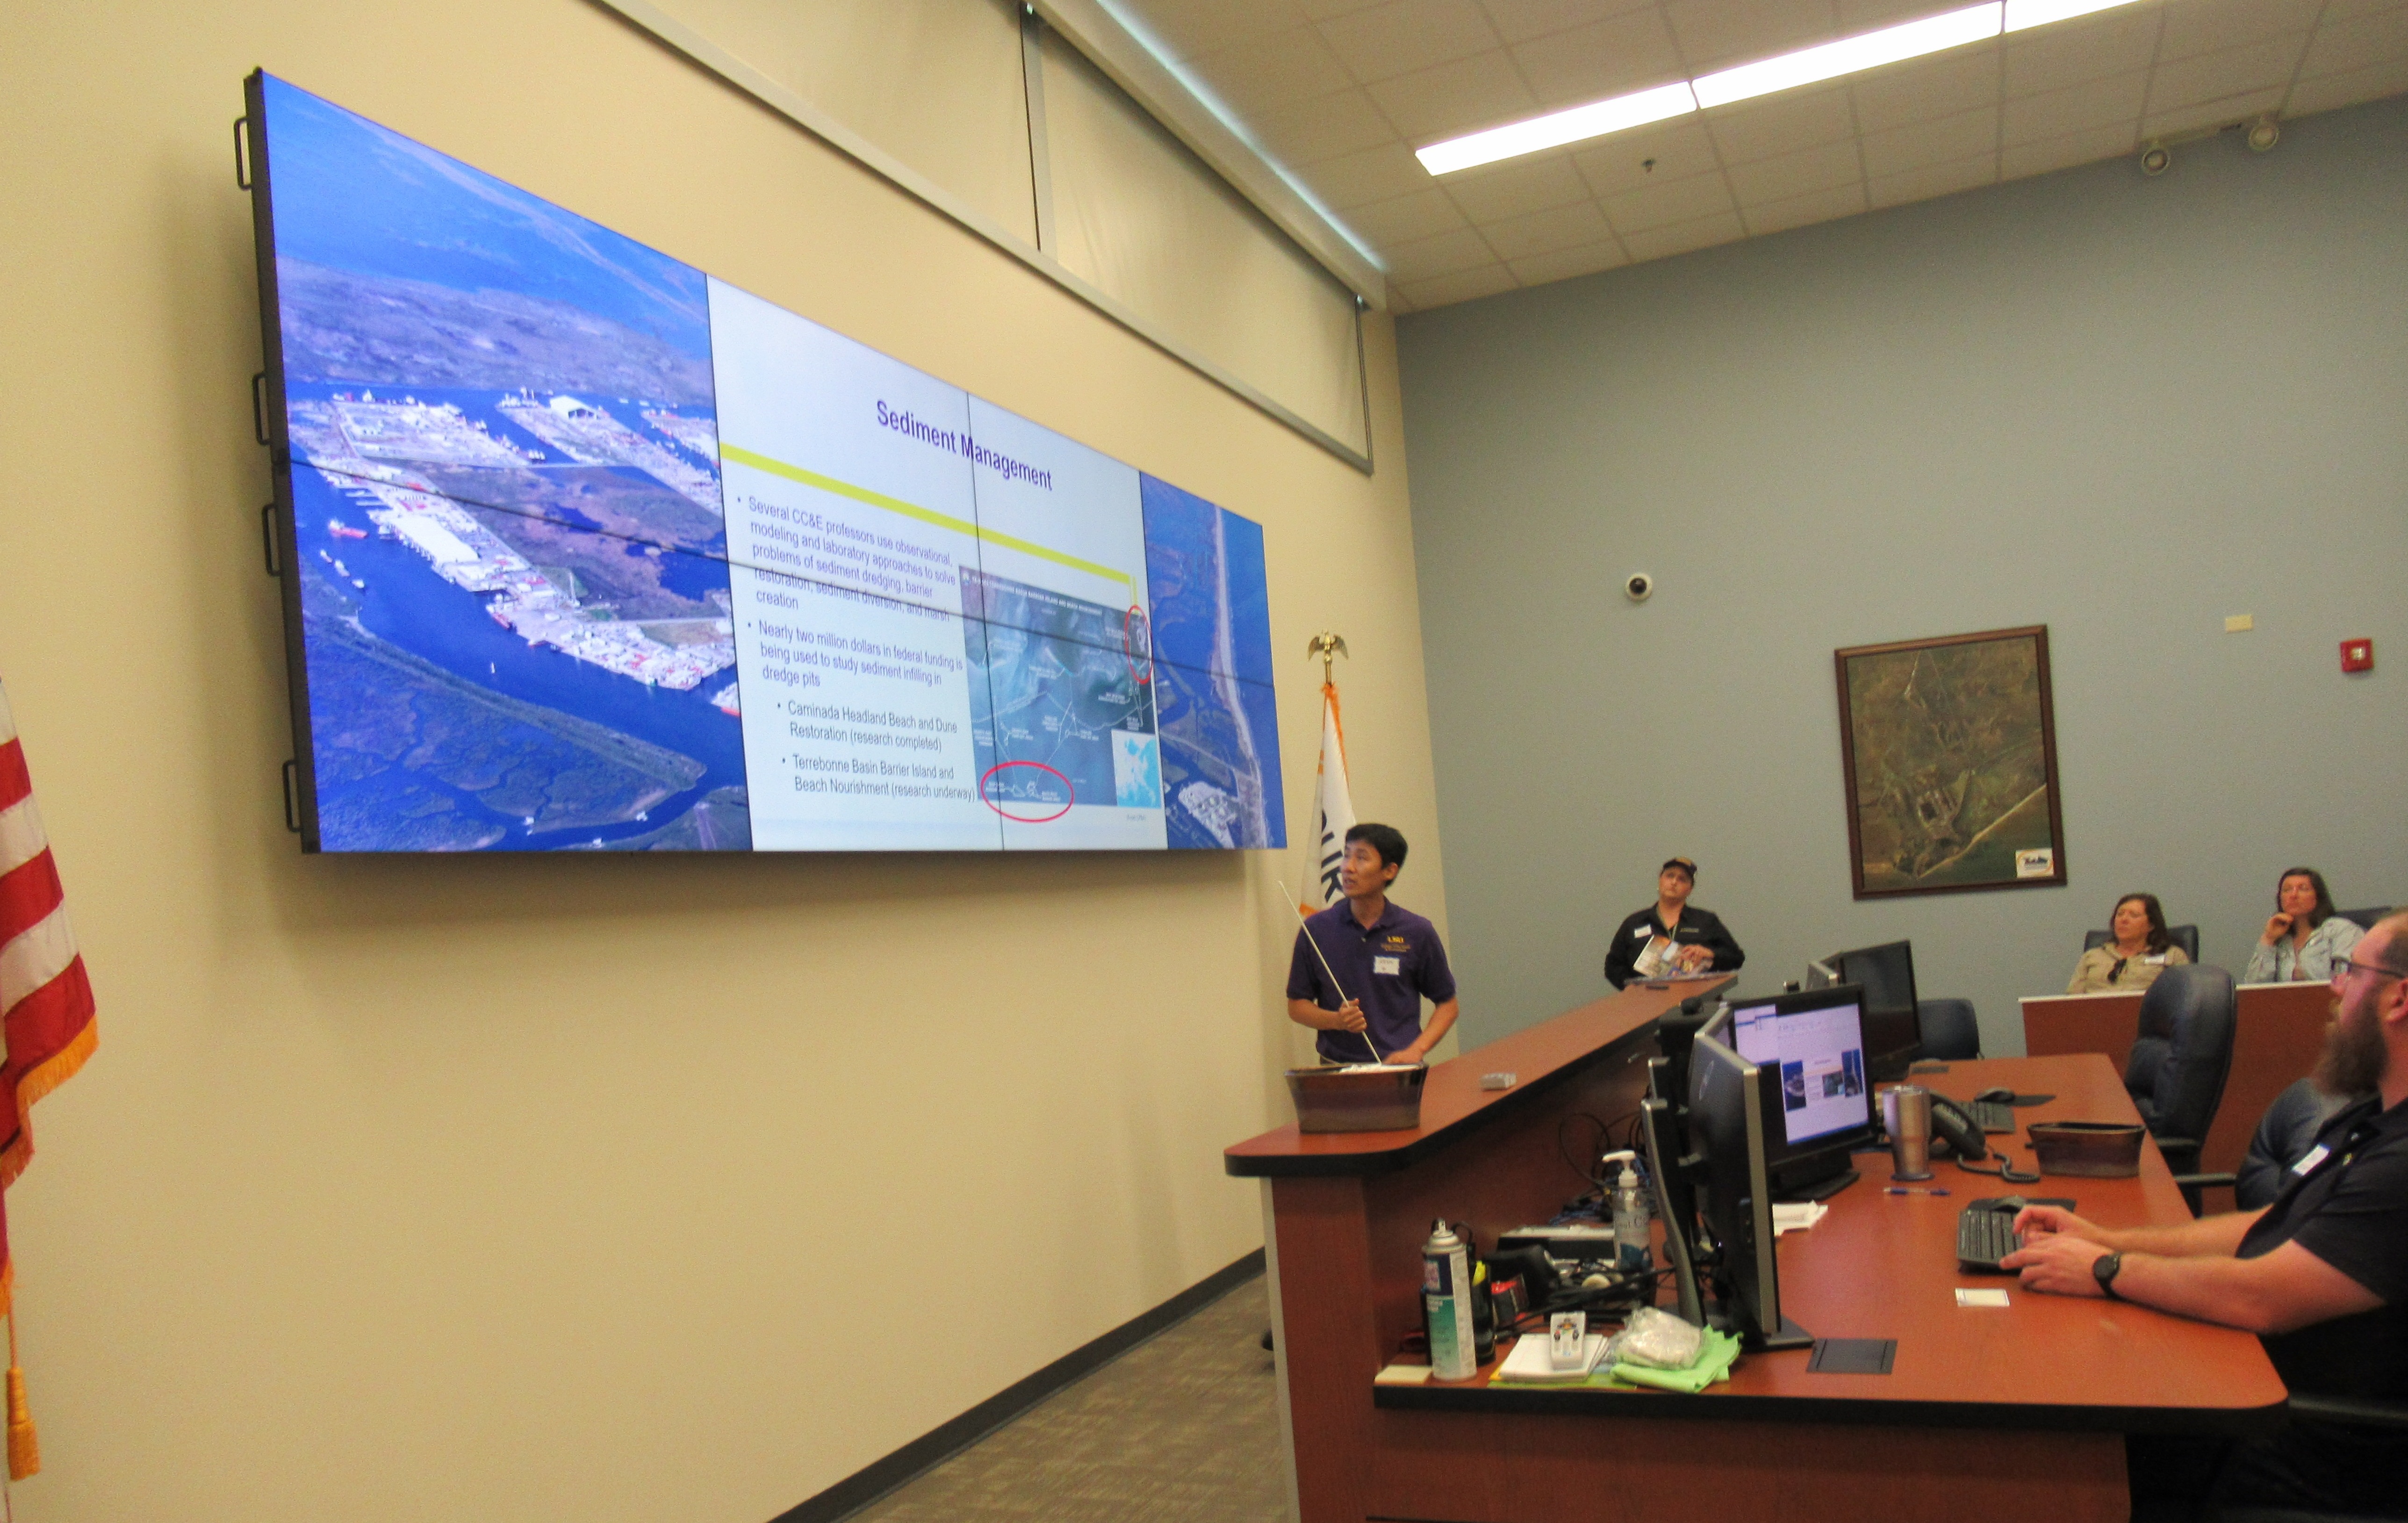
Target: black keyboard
point(1991, 1116)
point(1983, 1237)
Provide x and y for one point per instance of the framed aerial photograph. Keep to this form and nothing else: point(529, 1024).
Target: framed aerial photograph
point(1949, 748)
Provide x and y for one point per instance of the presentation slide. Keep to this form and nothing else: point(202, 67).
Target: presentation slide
point(596, 552)
point(1820, 1055)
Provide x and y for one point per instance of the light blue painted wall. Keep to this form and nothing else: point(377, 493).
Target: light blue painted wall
point(2123, 408)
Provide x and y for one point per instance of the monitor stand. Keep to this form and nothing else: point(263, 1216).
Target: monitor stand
point(1821, 1189)
point(1790, 1336)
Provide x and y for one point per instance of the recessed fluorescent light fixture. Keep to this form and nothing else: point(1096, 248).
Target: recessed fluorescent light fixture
point(1890, 45)
point(1807, 65)
point(1558, 128)
point(2024, 13)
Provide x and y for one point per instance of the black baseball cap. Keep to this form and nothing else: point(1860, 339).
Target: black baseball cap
point(1680, 862)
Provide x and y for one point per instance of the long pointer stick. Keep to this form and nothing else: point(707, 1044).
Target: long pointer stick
point(1326, 968)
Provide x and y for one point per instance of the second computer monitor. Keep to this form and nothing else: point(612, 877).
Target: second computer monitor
point(1815, 1042)
point(1892, 1030)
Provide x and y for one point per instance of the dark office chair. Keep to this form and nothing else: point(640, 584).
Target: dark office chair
point(2370, 1418)
point(2366, 918)
point(2185, 937)
point(2181, 1059)
point(1950, 1033)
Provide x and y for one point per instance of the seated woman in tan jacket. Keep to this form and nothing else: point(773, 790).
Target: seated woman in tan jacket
point(2135, 951)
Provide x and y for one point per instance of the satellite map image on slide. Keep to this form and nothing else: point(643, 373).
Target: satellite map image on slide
point(516, 609)
point(1057, 708)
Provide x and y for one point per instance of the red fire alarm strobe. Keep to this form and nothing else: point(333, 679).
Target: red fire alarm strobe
point(2357, 655)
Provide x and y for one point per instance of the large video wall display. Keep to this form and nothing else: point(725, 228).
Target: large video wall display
point(587, 550)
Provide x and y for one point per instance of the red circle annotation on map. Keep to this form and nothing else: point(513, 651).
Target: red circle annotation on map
point(1128, 642)
point(1025, 819)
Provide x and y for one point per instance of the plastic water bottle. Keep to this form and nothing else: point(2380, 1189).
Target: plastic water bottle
point(1632, 1247)
point(1446, 1304)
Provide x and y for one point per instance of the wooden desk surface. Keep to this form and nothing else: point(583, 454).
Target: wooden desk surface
point(1885, 1266)
point(1453, 1103)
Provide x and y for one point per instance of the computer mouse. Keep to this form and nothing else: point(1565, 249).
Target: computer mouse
point(2001, 1097)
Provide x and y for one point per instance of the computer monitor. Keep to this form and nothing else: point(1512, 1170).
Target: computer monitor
point(1726, 1126)
point(1814, 1042)
point(1892, 1030)
point(1821, 975)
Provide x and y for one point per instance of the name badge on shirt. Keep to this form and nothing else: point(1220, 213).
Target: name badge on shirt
point(1387, 964)
point(1640, 933)
point(2307, 1166)
point(2158, 961)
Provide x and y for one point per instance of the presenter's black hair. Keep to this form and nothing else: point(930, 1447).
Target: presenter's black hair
point(2324, 910)
point(1386, 839)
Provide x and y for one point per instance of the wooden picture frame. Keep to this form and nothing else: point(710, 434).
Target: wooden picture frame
point(1948, 749)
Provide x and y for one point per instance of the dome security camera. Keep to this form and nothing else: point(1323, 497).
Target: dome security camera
point(2264, 133)
point(1639, 587)
point(2154, 160)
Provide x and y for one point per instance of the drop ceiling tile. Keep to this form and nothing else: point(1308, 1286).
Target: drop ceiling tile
point(1660, 205)
point(2099, 103)
point(1375, 173)
point(1801, 210)
point(2052, 153)
point(1519, 21)
point(1927, 89)
point(2214, 113)
point(1272, 69)
point(1190, 27)
point(2207, 26)
point(2341, 47)
point(1421, 215)
point(1784, 124)
point(1323, 127)
point(1650, 155)
point(1945, 141)
point(1629, 51)
point(1516, 187)
point(1794, 174)
point(2338, 90)
point(2261, 65)
point(1403, 36)
point(1548, 231)
point(1682, 238)
point(1481, 91)
point(1856, 16)
point(1927, 180)
point(1322, 10)
point(1541, 268)
point(1463, 285)
point(1715, 34)
point(1426, 259)
point(2068, 52)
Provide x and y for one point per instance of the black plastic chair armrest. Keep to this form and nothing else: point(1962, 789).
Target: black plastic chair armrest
point(2355, 1414)
point(2180, 1153)
point(2206, 1182)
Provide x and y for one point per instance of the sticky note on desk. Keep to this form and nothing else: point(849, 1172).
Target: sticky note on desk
point(1403, 1374)
point(1981, 1298)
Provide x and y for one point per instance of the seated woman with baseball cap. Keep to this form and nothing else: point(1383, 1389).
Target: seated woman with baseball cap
point(1671, 936)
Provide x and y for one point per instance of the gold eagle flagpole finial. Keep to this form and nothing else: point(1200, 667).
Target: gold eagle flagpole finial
point(1327, 646)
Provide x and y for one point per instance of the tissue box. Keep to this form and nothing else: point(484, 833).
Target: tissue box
point(2088, 1149)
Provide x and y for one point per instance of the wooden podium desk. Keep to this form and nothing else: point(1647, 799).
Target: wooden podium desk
point(2031, 1401)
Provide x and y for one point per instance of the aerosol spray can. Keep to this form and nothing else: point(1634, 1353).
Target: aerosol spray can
point(1446, 1304)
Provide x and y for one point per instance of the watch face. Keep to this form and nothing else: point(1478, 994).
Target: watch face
point(2105, 1268)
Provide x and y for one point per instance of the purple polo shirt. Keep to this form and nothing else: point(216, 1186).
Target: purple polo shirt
point(1389, 967)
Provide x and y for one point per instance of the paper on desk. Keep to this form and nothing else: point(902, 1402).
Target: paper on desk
point(1797, 1216)
point(1981, 1298)
point(1531, 1363)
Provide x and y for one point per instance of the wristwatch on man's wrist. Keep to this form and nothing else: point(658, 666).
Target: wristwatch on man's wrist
point(2104, 1269)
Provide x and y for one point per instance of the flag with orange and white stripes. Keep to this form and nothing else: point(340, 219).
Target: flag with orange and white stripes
point(46, 999)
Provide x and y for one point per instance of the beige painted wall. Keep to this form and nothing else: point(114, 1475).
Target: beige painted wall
point(536, 1189)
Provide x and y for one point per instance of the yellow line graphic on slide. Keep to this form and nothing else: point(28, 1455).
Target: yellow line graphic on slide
point(912, 510)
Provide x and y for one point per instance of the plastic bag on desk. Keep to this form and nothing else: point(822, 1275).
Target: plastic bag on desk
point(1655, 1339)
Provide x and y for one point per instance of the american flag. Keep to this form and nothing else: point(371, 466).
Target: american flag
point(46, 998)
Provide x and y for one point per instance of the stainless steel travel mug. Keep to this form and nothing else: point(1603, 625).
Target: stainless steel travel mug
point(1906, 1114)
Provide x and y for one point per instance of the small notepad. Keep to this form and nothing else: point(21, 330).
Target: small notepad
point(1981, 1298)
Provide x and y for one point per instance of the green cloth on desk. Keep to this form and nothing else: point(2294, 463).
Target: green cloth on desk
point(1716, 1352)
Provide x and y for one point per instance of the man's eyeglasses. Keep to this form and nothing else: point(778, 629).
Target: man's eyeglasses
point(2350, 965)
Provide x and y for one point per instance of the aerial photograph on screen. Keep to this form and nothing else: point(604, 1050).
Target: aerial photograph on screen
point(1061, 708)
point(1212, 682)
point(516, 609)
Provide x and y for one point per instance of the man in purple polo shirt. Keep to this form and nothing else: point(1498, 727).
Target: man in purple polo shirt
point(1387, 959)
